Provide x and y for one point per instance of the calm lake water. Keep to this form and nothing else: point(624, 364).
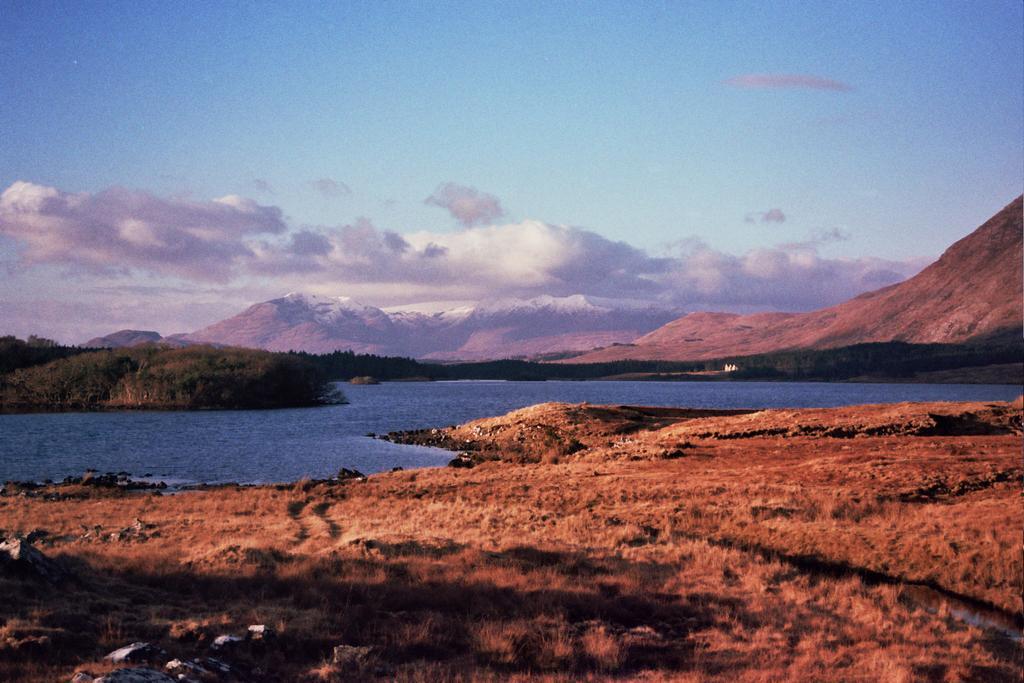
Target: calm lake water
point(285, 445)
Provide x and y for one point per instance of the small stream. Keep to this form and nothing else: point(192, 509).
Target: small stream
point(935, 600)
point(968, 611)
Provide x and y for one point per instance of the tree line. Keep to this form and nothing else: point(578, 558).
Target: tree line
point(153, 377)
point(39, 374)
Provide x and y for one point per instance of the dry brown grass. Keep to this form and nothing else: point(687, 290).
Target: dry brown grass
point(713, 565)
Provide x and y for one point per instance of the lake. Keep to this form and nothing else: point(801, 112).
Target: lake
point(285, 445)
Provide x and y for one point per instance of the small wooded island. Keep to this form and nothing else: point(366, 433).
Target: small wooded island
point(159, 378)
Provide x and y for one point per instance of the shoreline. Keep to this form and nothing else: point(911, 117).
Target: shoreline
point(645, 378)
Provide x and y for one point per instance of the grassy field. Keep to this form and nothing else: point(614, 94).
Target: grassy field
point(588, 543)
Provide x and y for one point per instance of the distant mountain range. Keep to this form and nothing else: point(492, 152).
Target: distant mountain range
point(506, 328)
point(973, 292)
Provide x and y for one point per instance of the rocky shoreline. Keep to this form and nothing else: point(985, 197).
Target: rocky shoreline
point(561, 430)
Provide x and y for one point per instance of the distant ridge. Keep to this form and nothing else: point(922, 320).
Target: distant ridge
point(504, 328)
point(123, 338)
point(972, 293)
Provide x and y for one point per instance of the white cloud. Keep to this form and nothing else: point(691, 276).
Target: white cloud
point(533, 257)
point(121, 234)
point(789, 277)
point(124, 230)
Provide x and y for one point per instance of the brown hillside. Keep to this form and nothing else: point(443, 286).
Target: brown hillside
point(972, 291)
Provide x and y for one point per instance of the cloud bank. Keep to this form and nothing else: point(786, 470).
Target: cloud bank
point(126, 234)
point(786, 81)
point(468, 205)
point(123, 230)
point(532, 257)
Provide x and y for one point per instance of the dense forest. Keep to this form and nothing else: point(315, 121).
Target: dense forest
point(39, 374)
point(15, 353)
point(344, 365)
point(152, 377)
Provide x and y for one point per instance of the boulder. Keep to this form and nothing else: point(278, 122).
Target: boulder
point(82, 677)
point(135, 652)
point(461, 461)
point(218, 666)
point(137, 531)
point(176, 666)
point(204, 668)
point(36, 535)
point(18, 557)
point(345, 474)
point(135, 676)
point(260, 632)
point(226, 642)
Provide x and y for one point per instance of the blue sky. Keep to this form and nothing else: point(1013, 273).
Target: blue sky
point(633, 121)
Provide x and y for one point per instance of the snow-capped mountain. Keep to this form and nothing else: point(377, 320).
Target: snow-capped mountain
point(523, 328)
point(503, 328)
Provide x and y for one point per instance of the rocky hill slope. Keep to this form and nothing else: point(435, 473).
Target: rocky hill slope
point(972, 292)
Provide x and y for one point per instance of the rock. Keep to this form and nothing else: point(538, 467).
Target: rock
point(218, 666)
point(176, 665)
point(260, 632)
point(135, 532)
point(121, 480)
point(462, 462)
point(350, 656)
point(345, 474)
point(17, 556)
point(82, 677)
point(36, 535)
point(201, 668)
point(225, 642)
point(188, 669)
point(136, 652)
point(135, 676)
